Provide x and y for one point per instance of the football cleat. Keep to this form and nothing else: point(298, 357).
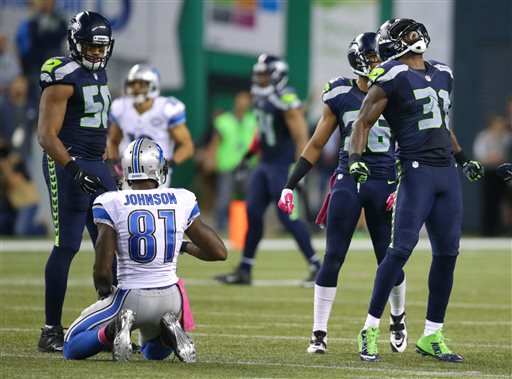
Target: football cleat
point(175, 336)
point(433, 346)
point(367, 344)
point(309, 282)
point(122, 346)
point(238, 277)
point(397, 333)
point(52, 339)
point(318, 343)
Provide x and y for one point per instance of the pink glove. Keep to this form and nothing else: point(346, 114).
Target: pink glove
point(286, 201)
point(390, 201)
point(119, 169)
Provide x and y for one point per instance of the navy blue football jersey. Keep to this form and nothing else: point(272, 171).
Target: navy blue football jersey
point(417, 109)
point(84, 129)
point(276, 144)
point(344, 99)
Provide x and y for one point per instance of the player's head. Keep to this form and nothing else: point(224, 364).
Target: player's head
point(362, 55)
point(142, 83)
point(144, 159)
point(399, 36)
point(270, 70)
point(90, 40)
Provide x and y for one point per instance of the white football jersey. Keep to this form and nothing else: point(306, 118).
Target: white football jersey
point(165, 114)
point(150, 225)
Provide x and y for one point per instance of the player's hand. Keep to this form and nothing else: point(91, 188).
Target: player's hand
point(285, 203)
point(359, 171)
point(505, 171)
point(390, 202)
point(89, 182)
point(104, 294)
point(473, 170)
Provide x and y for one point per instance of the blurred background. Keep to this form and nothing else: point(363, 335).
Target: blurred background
point(205, 51)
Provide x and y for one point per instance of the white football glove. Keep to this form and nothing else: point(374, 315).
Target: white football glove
point(286, 201)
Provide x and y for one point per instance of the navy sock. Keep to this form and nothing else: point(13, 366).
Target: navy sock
point(440, 282)
point(56, 279)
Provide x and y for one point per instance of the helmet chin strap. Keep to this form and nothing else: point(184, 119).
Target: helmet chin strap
point(419, 46)
point(139, 99)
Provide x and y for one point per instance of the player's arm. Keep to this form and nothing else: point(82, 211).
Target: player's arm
point(184, 144)
point(52, 110)
point(474, 170)
point(105, 250)
point(296, 123)
point(206, 245)
point(115, 135)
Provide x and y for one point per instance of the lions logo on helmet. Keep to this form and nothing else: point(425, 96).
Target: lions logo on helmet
point(276, 68)
point(144, 159)
point(149, 76)
point(84, 30)
point(391, 42)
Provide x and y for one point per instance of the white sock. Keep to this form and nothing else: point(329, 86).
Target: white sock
point(431, 327)
point(397, 299)
point(371, 321)
point(324, 298)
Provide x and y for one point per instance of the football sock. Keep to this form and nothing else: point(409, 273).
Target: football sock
point(431, 327)
point(371, 321)
point(440, 282)
point(324, 298)
point(253, 236)
point(397, 299)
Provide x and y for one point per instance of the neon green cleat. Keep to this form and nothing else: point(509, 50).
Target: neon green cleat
point(433, 345)
point(367, 344)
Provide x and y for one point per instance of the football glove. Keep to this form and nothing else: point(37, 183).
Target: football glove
point(473, 170)
point(359, 171)
point(104, 295)
point(87, 181)
point(285, 203)
point(390, 202)
point(505, 171)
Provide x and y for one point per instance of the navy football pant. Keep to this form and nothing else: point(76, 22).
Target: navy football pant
point(71, 212)
point(265, 187)
point(342, 216)
point(430, 195)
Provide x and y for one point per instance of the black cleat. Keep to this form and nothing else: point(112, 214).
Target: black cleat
point(397, 333)
point(318, 343)
point(238, 277)
point(52, 339)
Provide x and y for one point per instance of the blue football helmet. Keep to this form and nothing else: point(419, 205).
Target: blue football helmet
point(359, 50)
point(276, 67)
point(390, 39)
point(93, 29)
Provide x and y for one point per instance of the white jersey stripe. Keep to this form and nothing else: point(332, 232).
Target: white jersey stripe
point(335, 92)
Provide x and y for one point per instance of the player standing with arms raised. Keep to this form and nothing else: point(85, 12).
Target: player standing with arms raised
point(72, 130)
point(414, 97)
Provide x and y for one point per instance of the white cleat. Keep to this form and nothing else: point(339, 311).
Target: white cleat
point(397, 333)
point(122, 346)
point(318, 343)
point(181, 343)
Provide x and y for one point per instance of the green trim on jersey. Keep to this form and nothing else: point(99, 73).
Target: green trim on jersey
point(289, 98)
point(376, 72)
point(54, 197)
point(50, 64)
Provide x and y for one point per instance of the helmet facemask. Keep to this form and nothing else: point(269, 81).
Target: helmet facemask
point(143, 74)
point(404, 36)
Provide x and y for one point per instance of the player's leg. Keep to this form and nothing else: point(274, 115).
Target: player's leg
point(342, 215)
point(414, 200)
point(258, 199)
point(90, 332)
point(444, 230)
point(69, 208)
point(277, 177)
point(375, 193)
point(224, 184)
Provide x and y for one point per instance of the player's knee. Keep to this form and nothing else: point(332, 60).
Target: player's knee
point(333, 262)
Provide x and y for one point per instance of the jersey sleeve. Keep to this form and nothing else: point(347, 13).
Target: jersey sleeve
point(193, 214)
point(334, 90)
point(384, 74)
point(174, 111)
point(285, 99)
point(58, 70)
point(102, 212)
point(116, 110)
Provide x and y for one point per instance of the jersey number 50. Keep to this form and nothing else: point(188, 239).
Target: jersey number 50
point(97, 111)
point(142, 244)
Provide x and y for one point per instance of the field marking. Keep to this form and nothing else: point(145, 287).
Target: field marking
point(368, 367)
point(349, 341)
point(466, 244)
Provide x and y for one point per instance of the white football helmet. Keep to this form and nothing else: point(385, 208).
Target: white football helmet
point(146, 74)
point(144, 159)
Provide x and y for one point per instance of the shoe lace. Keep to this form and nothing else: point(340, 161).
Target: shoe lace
point(439, 338)
point(372, 335)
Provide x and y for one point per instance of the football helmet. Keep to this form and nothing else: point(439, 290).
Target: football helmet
point(146, 74)
point(390, 38)
point(275, 67)
point(93, 29)
point(358, 52)
point(144, 159)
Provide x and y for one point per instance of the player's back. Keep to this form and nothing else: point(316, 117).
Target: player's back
point(150, 225)
point(417, 109)
point(277, 146)
point(344, 99)
point(165, 113)
point(84, 128)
